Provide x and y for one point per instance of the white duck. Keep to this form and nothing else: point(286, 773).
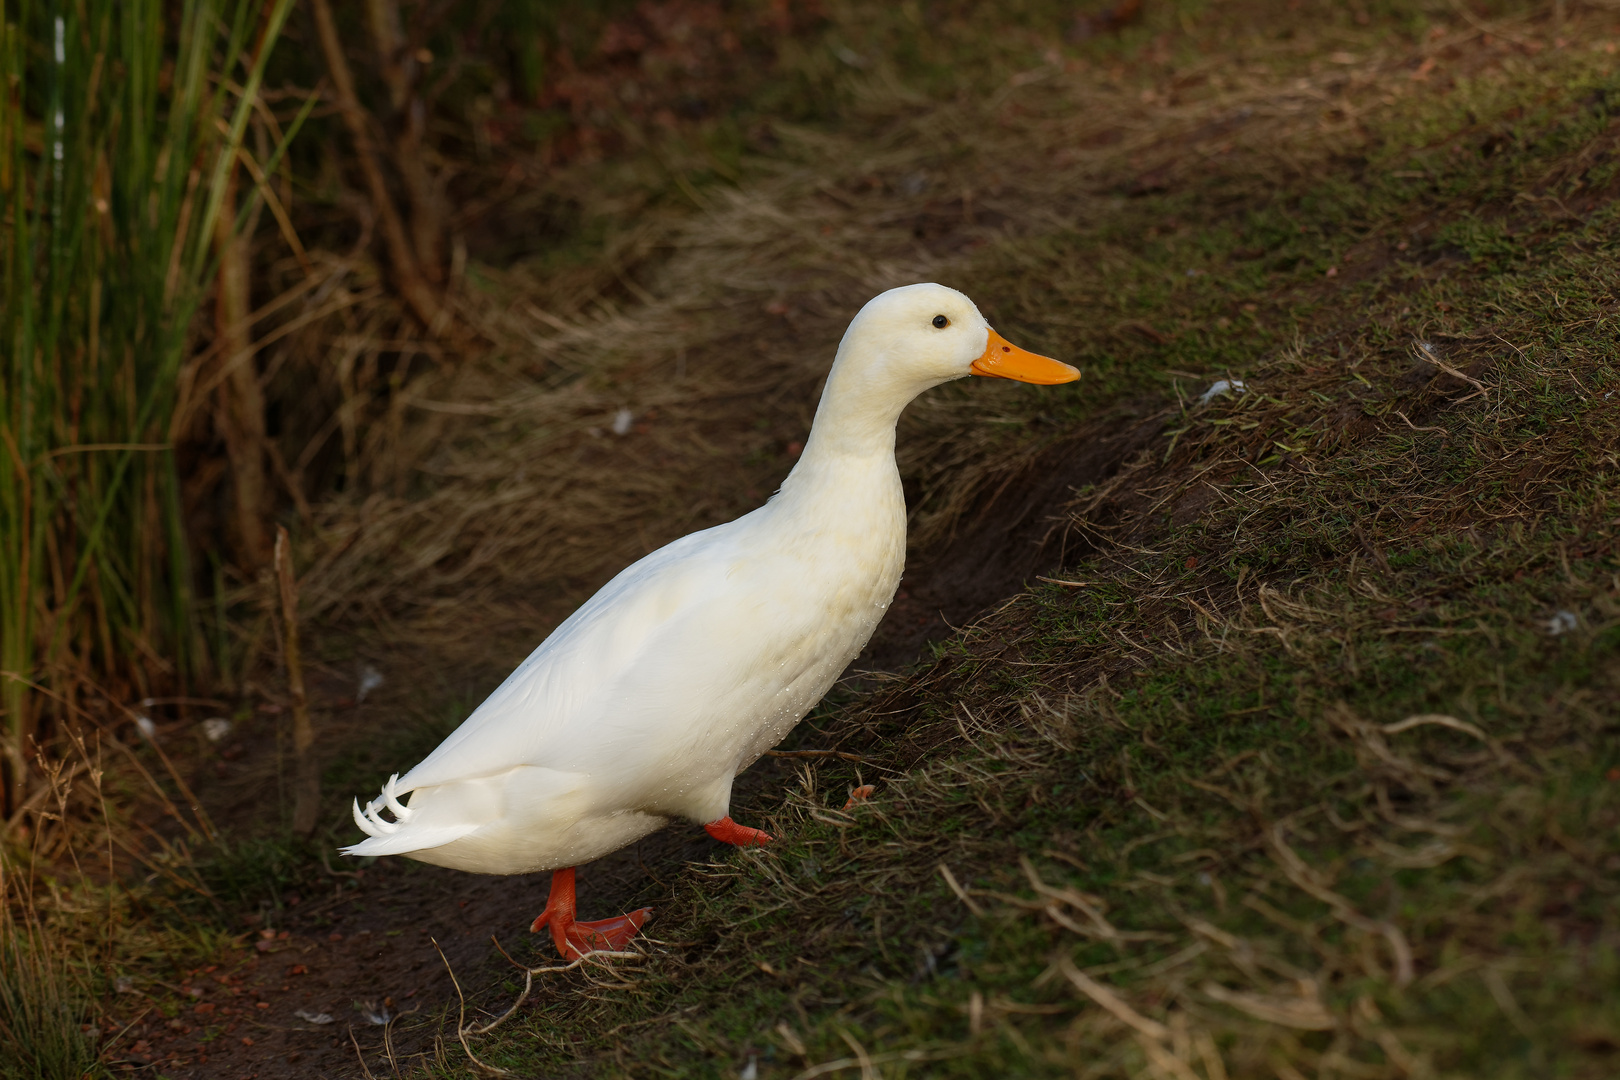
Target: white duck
point(645, 703)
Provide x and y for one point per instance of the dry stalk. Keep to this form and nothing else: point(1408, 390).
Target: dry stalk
point(423, 302)
point(1304, 1012)
point(307, 785)
point(1164, 1060)
point(1112, 1002)
point(39, 795)
point(239, 416)
point(1089, 906)
point(872, 1061)
point(868, 1069)
point(961, 893)
point(357, 1053)
point(400, 71)
point(1168, 1047)
point(1426, 354)
point(1371, 748)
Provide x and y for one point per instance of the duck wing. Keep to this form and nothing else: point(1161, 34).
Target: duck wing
point(655, 672)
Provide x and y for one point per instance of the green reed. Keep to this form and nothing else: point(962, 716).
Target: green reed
point(119, 123)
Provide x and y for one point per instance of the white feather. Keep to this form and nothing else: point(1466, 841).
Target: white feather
point(401, 812)
point(360, 820)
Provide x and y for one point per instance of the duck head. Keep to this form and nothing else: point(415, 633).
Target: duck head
point(915, 337)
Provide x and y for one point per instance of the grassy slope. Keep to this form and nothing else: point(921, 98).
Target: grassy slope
point(1195, 837)
point(1347, 569)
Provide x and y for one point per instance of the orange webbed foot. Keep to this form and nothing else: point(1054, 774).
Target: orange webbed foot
point(859, 795)
point(729, 832)
point(604, 935)
point(573, 938)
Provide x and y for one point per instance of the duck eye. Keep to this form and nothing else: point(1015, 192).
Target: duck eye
point(941, 322)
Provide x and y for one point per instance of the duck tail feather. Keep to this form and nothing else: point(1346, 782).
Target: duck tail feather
point(370, 819)
point(419, 838)
point(403, 835)
point(364, 822)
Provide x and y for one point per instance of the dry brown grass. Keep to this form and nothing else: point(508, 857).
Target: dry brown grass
point(496, 496)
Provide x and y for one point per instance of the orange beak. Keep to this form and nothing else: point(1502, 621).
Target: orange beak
point(1004, 360)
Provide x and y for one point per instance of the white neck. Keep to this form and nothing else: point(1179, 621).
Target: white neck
point(853, 430)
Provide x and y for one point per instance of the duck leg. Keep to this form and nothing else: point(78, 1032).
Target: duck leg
point(573, 938)
point(729, 832)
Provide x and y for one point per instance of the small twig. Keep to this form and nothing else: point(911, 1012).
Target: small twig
point(357, 1053)
point(1438, 719)
point(1307, 880)
point(461, 1018)
point(1414, 427)
point(528, 984)
point(1101, 927)
point(116, 1039)
point(353, 875)
point(388, 1042)
point(961, 893)
point(1481, 27)
point(159, 868)
point(1430, 356)
point(868, 1070)
point(1166, 1063)
point(194, 803)
point(34, 800)
point(1492, 977)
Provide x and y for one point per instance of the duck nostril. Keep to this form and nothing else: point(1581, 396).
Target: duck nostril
point(1005, 349)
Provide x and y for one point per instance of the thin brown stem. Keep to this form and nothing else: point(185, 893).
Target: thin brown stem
point(307, 785)
point(240, 415)
point(406, 272)
point(401, 70)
